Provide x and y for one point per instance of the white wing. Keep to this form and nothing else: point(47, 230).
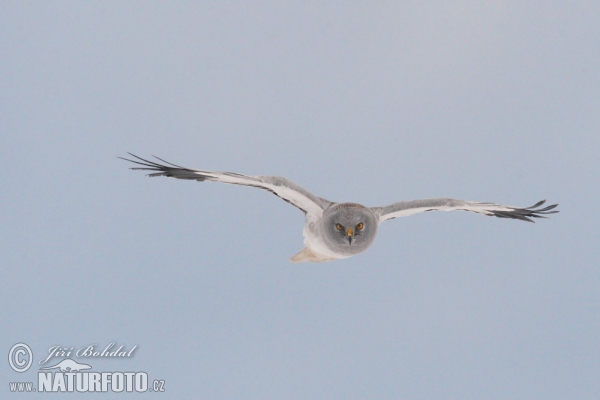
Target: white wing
point(281, 187)
point(406, 208)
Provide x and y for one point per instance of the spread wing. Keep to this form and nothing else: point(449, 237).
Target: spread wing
point(281, 187)
point(406, 208)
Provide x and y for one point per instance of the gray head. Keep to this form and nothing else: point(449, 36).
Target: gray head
point(349, 228)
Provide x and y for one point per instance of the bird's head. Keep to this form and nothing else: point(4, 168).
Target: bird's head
point(349, 228)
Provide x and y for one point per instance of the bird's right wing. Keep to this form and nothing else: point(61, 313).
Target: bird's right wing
point(406, 208)
point(281, 187)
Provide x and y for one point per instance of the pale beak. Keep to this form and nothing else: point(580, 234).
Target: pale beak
point(350, 235)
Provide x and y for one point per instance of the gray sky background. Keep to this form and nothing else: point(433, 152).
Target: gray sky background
point(372, 103)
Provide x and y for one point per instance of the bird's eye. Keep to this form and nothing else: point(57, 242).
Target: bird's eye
point(339, 227)
point(360, 226)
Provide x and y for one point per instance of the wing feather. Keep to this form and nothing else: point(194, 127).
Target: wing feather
point(281, 187)
point(406, 208)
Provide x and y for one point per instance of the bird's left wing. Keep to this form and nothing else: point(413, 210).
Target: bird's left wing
point(406, 208)
point(281, 187)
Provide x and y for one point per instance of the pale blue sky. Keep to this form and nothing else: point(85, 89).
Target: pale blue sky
point(372, 103)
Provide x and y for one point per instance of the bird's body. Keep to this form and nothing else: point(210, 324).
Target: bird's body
point(315, 249)
point(339, 230)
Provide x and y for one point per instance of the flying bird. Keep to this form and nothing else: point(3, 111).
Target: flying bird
point(338, 230)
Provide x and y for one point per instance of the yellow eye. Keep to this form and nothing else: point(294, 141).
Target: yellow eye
point(339, 227)
point(360, 226)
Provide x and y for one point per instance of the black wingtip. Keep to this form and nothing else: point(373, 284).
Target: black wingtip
point(525, 214)
point(148, 165)
point(167, 169)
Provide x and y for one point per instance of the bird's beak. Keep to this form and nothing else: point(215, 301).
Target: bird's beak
point(350, 235)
